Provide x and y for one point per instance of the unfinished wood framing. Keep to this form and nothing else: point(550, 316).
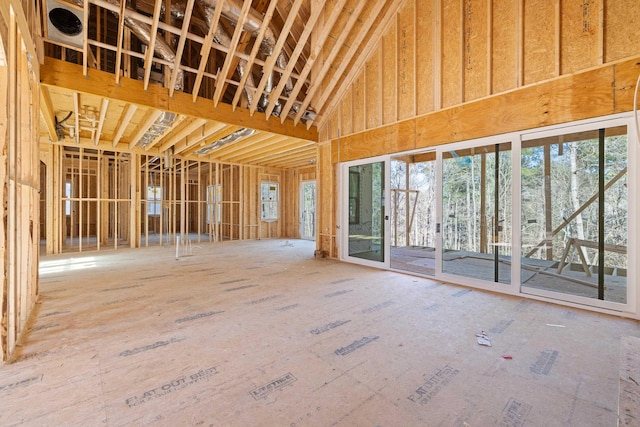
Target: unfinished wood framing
point(20, 168)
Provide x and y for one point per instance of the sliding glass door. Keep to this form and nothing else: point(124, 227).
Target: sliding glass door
point(574, 220)
point(546, 212)
point(476, 212)
point(365, 216)
point(413, 212)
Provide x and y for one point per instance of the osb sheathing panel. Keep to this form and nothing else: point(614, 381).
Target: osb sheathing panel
point(580, 32)
point(593, 93)
point(424, 56)
point(359, 90)
point(451, 53)
point(622, 29)
point(406, 40)
point(539, 40)
point(374, 90)
point(346, 113)
point(475, 66)
point(504, 44)
point(581, 96)
point(389, 78)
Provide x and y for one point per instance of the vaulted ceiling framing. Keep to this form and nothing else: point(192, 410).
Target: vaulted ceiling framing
point(190, 75)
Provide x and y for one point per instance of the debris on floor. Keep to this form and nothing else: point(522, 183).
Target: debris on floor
point(483, 339)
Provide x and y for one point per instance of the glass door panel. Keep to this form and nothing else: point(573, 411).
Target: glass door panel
point(413, 213)
point(366, 211)
point(476, 212)
point(308, 210)
point(574, 214)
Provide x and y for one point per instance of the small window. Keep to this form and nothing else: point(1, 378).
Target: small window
point(269, 193)
point(67, 194)
point(154, 201)
point(214, 204)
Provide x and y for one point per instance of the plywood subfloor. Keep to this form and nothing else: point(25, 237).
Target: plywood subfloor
point(260, 333)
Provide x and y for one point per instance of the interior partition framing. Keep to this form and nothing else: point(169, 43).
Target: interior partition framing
point(97, 199)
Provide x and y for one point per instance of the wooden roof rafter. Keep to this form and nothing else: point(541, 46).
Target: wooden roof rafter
point(222, 75)
point(271, 61)
point(152, 43)
point(181, 44)
point(205, 50)
point(306, 33)
point(254, 53)
point(359, 62)
point(315, 52)
point(194, 139)
point(124, 121)
point(315, 86)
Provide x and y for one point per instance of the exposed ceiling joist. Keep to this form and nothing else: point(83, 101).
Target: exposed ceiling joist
point(62, 74)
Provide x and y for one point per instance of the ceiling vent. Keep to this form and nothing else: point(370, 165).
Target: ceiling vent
point(65, 24)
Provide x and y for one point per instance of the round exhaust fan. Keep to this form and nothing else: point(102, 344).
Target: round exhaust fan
point(65, 24)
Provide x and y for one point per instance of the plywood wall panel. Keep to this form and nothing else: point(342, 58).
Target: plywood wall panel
point(373, 100)
point(452, 90)
point(425, 33)
point(539, 40)
point(390, 64)
point(334, 126)
point(622, 29)
point(580, 32)
point(406, 60)
point(359, 91)
point(574, 97)
point(346, 113)
point(504, 60)
point(476, 60)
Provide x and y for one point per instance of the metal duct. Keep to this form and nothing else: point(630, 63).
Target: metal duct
point(157, 129)
point(233, 137)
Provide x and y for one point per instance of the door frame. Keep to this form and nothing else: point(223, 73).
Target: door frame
point(343, 217)
point(301, 209)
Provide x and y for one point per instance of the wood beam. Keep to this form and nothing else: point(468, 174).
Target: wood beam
point(222, 75)
point(317, 49)
point(152, 116)
point(181, 44)
point(183, 133)
point(271, 61)
point(254, 52)
point(148, 60)
point(206, 49)
point(293, 59)
point(316, 85)
point(192, 140)
point(65, 75)
point(76, 114)
point(127, 114)
point(47, 113)
point(123, 5)
point(103, 114)
point(360, 61)
point(176, 122)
